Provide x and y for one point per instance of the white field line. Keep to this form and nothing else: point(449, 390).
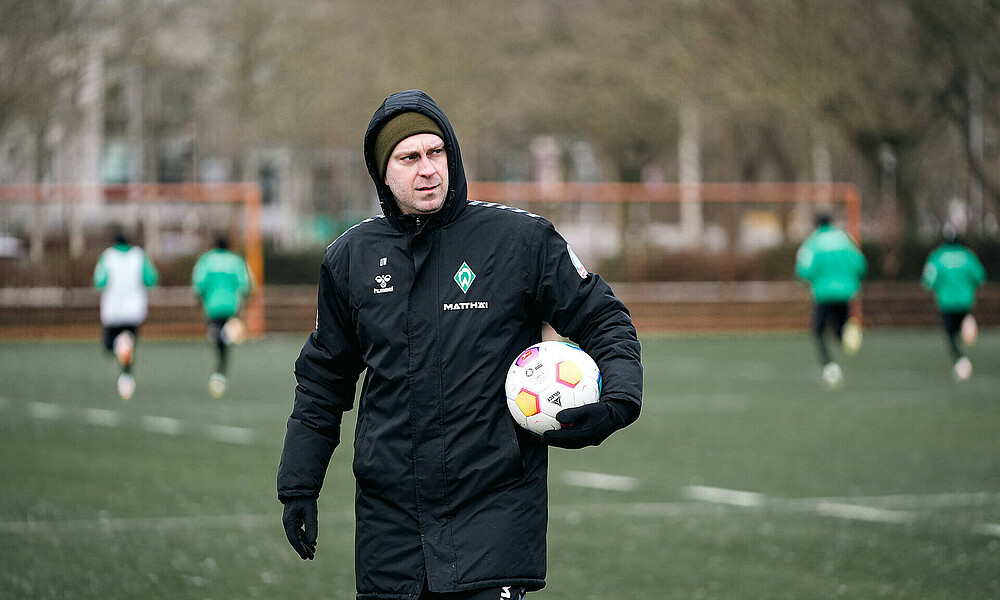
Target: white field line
point(724, 496)
point(600, 481)
point(101, 416)
point(852, 508)
point(164, 425)
point(571, 512)
point(232, 435)
point(991, 529)
point(105, 524)
point(856, 512)
point(155, 424)
point(915, 501)
point(44, 410)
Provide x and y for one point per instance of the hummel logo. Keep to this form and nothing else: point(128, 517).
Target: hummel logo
point(383, 281)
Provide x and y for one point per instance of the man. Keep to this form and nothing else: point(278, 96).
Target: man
point(434, 300)
point(122, 274)
point(222, 283)
point(833, 266)
point(953, 272)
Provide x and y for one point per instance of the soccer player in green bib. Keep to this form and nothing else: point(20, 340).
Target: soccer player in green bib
point(832, 264)
point(953, 272)
point(222, 283)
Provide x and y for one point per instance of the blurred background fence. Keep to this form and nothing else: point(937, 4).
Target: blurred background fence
point(711, 257)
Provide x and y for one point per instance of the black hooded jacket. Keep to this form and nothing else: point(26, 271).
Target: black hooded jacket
point(449, 490)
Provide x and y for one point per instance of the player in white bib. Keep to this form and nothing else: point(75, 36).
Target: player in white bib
point(123, 273)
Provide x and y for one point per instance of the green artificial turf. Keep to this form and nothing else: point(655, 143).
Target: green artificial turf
point(103, 498)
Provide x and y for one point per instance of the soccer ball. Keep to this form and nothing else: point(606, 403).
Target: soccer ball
point(547, 378)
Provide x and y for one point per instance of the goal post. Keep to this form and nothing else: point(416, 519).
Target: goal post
point(68, 215)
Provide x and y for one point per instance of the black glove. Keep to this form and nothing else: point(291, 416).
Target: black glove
point(588, 425)
point(301, 521)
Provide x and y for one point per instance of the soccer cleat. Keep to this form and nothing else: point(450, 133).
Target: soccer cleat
point(963, 369)
point(832, 375)
point(126, 386)
point(970, 330)
point(124, 344)
point(851, 336)
point(217, 385)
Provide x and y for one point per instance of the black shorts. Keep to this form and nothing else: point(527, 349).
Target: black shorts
point(110, 333)
point(214, 329)
point(952, 321)
point(830, 314)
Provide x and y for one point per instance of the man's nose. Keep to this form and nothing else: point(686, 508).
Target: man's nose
point(425, 167)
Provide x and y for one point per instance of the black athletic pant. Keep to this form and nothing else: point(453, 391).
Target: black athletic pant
point(952, 323)
point(110, 333)
point(494, 593)
point(218, 339)
point(831, 315)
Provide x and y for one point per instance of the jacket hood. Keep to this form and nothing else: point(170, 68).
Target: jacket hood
point(417, 101)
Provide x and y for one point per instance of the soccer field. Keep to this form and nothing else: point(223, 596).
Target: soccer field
point(743, 478)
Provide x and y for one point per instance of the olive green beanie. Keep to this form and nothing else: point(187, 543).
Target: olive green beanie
point(398, 129)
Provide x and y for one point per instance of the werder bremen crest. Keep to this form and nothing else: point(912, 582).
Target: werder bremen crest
point(464, 277)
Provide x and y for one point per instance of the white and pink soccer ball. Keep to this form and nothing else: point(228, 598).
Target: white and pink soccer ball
point(547, 378)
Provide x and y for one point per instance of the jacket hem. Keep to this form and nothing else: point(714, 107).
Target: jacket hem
point(528, 583)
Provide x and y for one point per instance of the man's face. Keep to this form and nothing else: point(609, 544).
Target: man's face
point(417, 174)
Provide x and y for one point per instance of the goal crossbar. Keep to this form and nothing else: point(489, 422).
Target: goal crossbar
point(812, 192)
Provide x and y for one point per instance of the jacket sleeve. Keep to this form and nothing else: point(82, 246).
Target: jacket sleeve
point(247, 283)
point(150, 276)
point(198, 276)
point(581, 306)
point(101, 273)
point(804, 262)
point(326, 373)
point(929, 274)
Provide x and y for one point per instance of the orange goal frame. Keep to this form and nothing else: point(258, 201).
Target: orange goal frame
point(813, 192)
point(247, 194)
point(518, 194)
